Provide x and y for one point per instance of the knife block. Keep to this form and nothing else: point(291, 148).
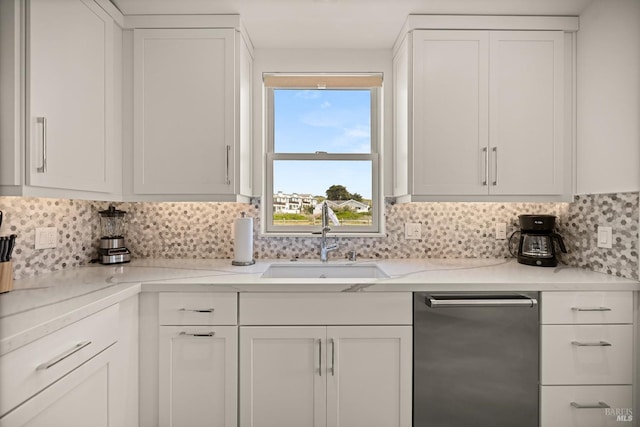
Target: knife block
point(6, 276)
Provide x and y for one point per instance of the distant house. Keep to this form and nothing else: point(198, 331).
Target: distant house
point(352, 205)
point(293, 203)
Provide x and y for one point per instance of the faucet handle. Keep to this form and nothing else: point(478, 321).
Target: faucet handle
point(332, 216)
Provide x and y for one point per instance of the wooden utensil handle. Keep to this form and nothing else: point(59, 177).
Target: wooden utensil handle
point(6, 276)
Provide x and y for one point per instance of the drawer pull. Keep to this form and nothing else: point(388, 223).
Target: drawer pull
point(62, 356)
point(207, 334)
point(599, 405)
point(591, 344)
point(204, 310)
point(590, 309)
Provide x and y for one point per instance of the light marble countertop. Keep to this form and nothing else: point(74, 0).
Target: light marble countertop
point(406, 275)
point(49, 301)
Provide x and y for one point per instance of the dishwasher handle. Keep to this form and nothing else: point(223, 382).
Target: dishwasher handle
point(480, 301)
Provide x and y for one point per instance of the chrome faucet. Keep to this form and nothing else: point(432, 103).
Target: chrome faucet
point(324, 247)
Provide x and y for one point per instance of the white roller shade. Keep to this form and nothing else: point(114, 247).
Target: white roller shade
point(323, 81)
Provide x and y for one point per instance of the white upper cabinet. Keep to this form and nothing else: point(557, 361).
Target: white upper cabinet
point(69, 91)
point(526, 110)
point(450, 112)
point(483, 115)
point(191, 114)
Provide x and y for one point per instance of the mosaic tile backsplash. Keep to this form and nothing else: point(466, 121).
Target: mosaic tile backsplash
point(204, 230)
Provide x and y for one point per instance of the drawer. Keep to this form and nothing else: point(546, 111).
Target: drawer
point(586, 354)
point(392, 308)
point(586, 307)
point(31, 368)
point(198, 308)
point(582, 406)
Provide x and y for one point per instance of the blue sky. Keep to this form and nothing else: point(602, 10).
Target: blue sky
point(335, 121)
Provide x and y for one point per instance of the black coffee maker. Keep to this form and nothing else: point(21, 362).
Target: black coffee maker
point(537, 239)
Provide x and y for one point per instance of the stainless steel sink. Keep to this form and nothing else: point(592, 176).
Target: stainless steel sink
point(324, 271)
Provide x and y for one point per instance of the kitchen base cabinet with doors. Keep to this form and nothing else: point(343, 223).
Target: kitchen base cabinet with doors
point(482, 115)
point(318, 360)
point(191, 111)
point(586, 354)
point(84, 374)
point(69, 48)
point(196, 360)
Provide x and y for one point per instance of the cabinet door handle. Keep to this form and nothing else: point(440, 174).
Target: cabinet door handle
point(228, 181)
point(591, 344)
point(59, 358)
point(206, 334)
point(43, 168)
point(590, 309)
point(333, 357)
point(485, 150)
point(599, 405)
point(320, 357)
point(198, 310)
point(495, 165)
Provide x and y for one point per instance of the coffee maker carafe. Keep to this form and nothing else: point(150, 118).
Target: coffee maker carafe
point(112, 249)
point(536, 246)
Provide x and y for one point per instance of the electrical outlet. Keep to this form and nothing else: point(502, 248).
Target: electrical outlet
point(605, 237)
point(46, 237)
point(501, 230)
point(412, 230)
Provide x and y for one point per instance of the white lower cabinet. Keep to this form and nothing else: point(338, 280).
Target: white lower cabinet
point(67, 378)
point(197, 381)
point(81, 398)
point(586, 359)
point(197, 359)
point(325, 376)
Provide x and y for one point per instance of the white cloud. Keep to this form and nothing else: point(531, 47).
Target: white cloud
point(308, 94)
point(359, 131)
point(325, 104)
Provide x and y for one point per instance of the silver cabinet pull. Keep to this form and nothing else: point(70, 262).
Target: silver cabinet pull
point(228, 181)
point(320, 357)
point(196, 310)
point(599, 405)
point(495, 166)
point(333, 357)
point(591, 344)
point(206, 334)
point(43, 168)
point(590, 309)
point(59, 358)
point(485, 150)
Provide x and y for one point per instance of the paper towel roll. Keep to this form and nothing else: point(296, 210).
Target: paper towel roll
point(243, 241)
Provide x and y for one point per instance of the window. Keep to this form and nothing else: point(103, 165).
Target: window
point(322, 144)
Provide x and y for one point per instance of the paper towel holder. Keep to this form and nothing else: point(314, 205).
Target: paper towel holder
point(243, 263)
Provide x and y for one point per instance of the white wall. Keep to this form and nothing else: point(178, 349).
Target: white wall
point(321, 60)
point(608, 97)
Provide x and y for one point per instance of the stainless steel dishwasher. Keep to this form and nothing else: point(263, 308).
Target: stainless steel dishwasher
point(475, 360)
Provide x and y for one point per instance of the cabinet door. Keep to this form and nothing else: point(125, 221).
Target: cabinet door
point(70, 95)
point(183, 111)
point(283, 376)
point(198, 376)
point(81, 398)
point(450, 138)
point(369, 376)
point(526, 112)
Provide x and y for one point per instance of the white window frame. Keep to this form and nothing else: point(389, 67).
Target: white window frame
point(376, 229)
